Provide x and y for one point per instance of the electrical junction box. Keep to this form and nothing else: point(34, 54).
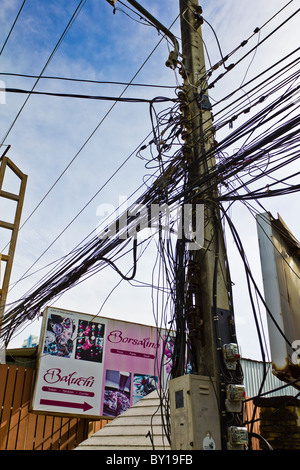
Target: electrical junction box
point(194, 413)
point(238, 436)
point(235, 397)
point(231, 355)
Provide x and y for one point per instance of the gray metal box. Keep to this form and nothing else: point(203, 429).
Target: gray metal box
point(194, 414)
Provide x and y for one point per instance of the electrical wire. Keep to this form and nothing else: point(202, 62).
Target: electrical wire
point(91, 135)
point(62, 37)
point(159, 99)
point(165, 172)
point(266, 142)
point(232, 66)
point(12, 27)
point(84, 80)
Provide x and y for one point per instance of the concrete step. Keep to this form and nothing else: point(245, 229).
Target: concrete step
point(130, 420)
point(125, 440)
point(132, 430)
point(115, 448)
point(141, 411)
point(129, 430)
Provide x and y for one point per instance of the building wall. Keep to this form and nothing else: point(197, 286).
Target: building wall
point(280, 422)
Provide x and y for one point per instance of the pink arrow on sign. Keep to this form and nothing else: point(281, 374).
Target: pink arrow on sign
point(85, 406)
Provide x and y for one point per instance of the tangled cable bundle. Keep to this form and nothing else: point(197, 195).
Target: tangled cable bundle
point(274, 148)
point(257, 159)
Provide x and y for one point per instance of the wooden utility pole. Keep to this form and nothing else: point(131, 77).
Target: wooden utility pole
point(208, 309)
point(198, 139)
point(207, 278)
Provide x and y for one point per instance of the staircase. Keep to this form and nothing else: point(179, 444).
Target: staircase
point(138, 428)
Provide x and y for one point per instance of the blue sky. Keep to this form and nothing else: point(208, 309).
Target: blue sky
point(55, 142)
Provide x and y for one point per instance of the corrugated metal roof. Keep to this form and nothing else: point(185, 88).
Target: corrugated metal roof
point(253, 375)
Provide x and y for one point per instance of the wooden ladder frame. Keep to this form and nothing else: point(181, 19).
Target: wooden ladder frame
point(13, 227)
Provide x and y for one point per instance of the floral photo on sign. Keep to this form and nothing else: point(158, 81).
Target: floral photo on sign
point(59, 336)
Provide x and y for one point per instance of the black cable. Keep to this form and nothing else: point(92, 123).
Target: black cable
point(260, 438)
point(245, 41)
point(90, 136)
point(245, 106)
point(279, 72)
point(82, 80)
point(158, 99)
point(212, 84)
point(172, 173)
point(13, 25)
point(110, 262)
point(71, 21)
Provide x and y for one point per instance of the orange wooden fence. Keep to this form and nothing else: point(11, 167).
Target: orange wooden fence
point(249, 410)
point(21, 429)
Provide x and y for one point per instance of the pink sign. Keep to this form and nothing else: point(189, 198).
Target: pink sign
point(96, 366)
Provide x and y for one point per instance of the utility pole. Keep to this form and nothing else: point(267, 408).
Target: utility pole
point(216, 381)
point(205, 406)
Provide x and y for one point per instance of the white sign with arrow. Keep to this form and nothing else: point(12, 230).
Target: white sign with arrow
point(70, 370)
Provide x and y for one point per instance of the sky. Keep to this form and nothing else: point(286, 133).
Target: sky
point(81, 155)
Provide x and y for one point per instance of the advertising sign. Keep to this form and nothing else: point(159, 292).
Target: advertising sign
point(96, 367)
